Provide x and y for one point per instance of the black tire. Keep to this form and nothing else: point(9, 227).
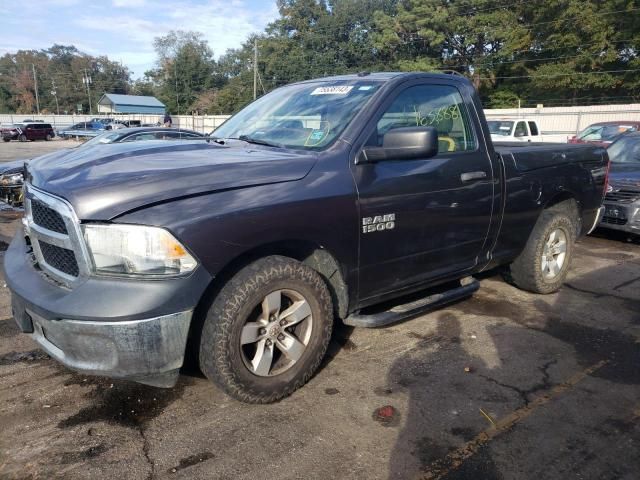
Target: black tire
point(221, 356)
point(48, 137)
point(6, 139)
point(526, 271)
point(22, 138)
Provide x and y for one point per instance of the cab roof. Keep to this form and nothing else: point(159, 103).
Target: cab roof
point(386, 76)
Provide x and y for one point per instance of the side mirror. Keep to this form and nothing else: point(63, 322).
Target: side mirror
point(407, 143)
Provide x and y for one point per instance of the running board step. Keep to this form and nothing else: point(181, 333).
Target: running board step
point(408, 310)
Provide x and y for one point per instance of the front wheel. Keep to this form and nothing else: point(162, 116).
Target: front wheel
point(48, 137)
point(543, 265)
point(267, 330)
point(22, 138)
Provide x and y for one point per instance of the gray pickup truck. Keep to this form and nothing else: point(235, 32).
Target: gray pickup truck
point(316, 204)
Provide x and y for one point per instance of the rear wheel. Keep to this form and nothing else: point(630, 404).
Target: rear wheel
point(543, 265)
point(267, 330)
point(6, 139)
point(22, 138)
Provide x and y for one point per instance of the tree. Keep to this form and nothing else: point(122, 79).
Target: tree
point(184, 69)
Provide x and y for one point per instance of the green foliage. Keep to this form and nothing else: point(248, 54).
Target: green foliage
point(555, 52)
point(503, 99)
point(59, 69)
point(184, 70)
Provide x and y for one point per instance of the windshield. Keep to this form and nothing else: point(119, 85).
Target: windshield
point(308, 116)
point(604, 132)
point(102, 138)
point(497, 127)
point(625, 150)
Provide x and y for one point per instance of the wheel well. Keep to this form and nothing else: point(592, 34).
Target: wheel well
point(308, 253)
point(566, 202)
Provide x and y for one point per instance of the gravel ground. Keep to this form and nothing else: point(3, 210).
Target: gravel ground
point(505, 385)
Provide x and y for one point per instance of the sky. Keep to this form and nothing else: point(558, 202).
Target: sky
point(124, 29)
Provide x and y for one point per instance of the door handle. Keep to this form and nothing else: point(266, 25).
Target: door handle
point(468, 176)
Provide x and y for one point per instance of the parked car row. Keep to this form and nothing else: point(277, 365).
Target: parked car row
point(29, 130)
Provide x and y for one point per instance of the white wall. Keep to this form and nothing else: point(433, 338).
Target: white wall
point(556, 123)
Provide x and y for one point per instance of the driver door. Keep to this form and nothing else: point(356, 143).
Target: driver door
point(436, 211)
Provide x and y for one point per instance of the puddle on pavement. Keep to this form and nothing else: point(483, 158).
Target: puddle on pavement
point(31, 356)
point(119, 402)
point(621, 351)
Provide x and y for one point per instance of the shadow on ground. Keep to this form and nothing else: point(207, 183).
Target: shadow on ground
point(447, 384)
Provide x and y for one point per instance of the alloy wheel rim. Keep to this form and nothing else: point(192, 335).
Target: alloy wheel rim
point(554, 254)
point(277, 333)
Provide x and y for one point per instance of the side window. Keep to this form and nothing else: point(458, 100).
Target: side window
point(534, 128)
point(167, 135)
point(133, 138)
point(521, 130)
point(438, 106)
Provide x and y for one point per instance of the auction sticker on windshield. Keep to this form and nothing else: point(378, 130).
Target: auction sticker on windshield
point(335, 90)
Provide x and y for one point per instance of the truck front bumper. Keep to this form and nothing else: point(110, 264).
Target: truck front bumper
point(121, 328)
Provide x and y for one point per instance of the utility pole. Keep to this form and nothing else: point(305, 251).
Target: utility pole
point(175, 74)
point(255, 68)
point(54, 92)
point(87, 81)
point(35, 87)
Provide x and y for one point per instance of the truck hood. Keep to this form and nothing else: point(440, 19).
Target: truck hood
point(624, 173)
point(105, 181)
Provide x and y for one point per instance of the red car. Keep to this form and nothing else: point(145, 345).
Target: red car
point(28, 131)
point(604, 133)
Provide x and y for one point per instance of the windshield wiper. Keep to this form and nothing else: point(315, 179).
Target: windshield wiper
point(257, 141)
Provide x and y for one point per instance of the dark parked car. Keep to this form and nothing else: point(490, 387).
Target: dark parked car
point(322, 201)
point(604, 133)
point(28, 131)
point(142, 134)
point(82, 129)
point(622, 202)
point(11, 173)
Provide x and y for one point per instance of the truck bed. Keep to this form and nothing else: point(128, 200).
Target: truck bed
point(532, 156)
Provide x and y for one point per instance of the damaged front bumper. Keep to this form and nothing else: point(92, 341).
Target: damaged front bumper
point(149, 351)
point(120, 328)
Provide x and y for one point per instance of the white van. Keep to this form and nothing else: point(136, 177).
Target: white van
point(509, 130)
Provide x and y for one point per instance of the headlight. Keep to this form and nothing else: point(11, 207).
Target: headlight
point(11, 179)
point(136, 250)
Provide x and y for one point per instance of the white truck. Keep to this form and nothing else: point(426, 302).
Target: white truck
point(510, 130)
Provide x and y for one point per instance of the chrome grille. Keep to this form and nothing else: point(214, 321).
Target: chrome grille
point(47, 217)
point(60, 258)
point(614, 221)
point(623, 196)
point(623, 191)
point(56, 237)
